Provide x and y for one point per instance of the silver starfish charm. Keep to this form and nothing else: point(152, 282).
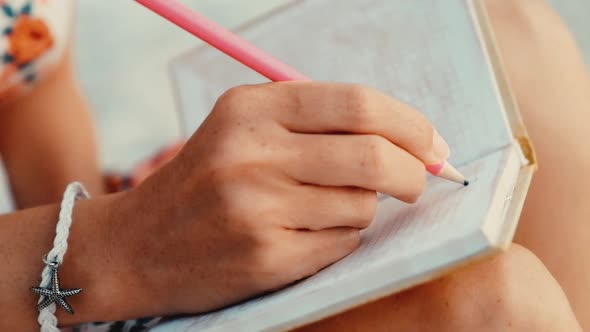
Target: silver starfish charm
point(53, 293)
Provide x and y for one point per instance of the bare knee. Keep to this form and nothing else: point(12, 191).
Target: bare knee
point(509, 291)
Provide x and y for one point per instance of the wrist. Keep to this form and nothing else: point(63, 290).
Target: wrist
point(94, 263)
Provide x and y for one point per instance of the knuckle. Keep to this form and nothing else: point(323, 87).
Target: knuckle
point(357, 99)
point(353, 240)
point(233, 99)
point(366, 207)
point(415, 180)
point(374, 161)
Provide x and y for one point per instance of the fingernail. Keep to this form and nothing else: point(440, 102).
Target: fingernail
point(440, 147)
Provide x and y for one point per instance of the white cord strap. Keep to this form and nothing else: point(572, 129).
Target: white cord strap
point(49, 289)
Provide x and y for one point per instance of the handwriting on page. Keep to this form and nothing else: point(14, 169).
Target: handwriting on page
point(424, 53)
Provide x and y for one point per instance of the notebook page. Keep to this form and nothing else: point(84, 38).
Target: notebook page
point(426, 53)
point(404, 242)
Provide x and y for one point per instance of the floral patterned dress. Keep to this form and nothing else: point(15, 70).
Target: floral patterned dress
point(34, 35)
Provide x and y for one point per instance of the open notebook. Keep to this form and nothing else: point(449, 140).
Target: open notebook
point(437, 56)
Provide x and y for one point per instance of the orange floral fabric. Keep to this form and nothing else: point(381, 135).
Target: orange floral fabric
point(33, 37)
point(30, 38)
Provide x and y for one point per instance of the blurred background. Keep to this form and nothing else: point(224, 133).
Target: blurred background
point(124, 52)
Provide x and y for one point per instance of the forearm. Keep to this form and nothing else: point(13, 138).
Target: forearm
point(89, 264)
point(47, 140)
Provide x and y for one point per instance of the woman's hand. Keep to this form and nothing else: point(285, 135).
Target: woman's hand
point(273, 187)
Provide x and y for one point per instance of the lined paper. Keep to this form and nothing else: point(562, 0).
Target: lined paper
point(425, 53)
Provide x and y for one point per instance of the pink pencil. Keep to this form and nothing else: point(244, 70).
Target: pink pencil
point(251, 56)
point(224, 40)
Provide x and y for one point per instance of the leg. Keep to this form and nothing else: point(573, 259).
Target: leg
point(552, 87)
point(512, 291)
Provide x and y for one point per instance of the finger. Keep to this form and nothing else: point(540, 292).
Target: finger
point(317, 208)
point(326, 247)
point(316, 107)
point(365, 161)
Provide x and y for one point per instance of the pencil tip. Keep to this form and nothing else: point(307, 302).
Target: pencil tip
point(465, 183)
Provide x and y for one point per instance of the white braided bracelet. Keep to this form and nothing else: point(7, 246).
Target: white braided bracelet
point(49, 289)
